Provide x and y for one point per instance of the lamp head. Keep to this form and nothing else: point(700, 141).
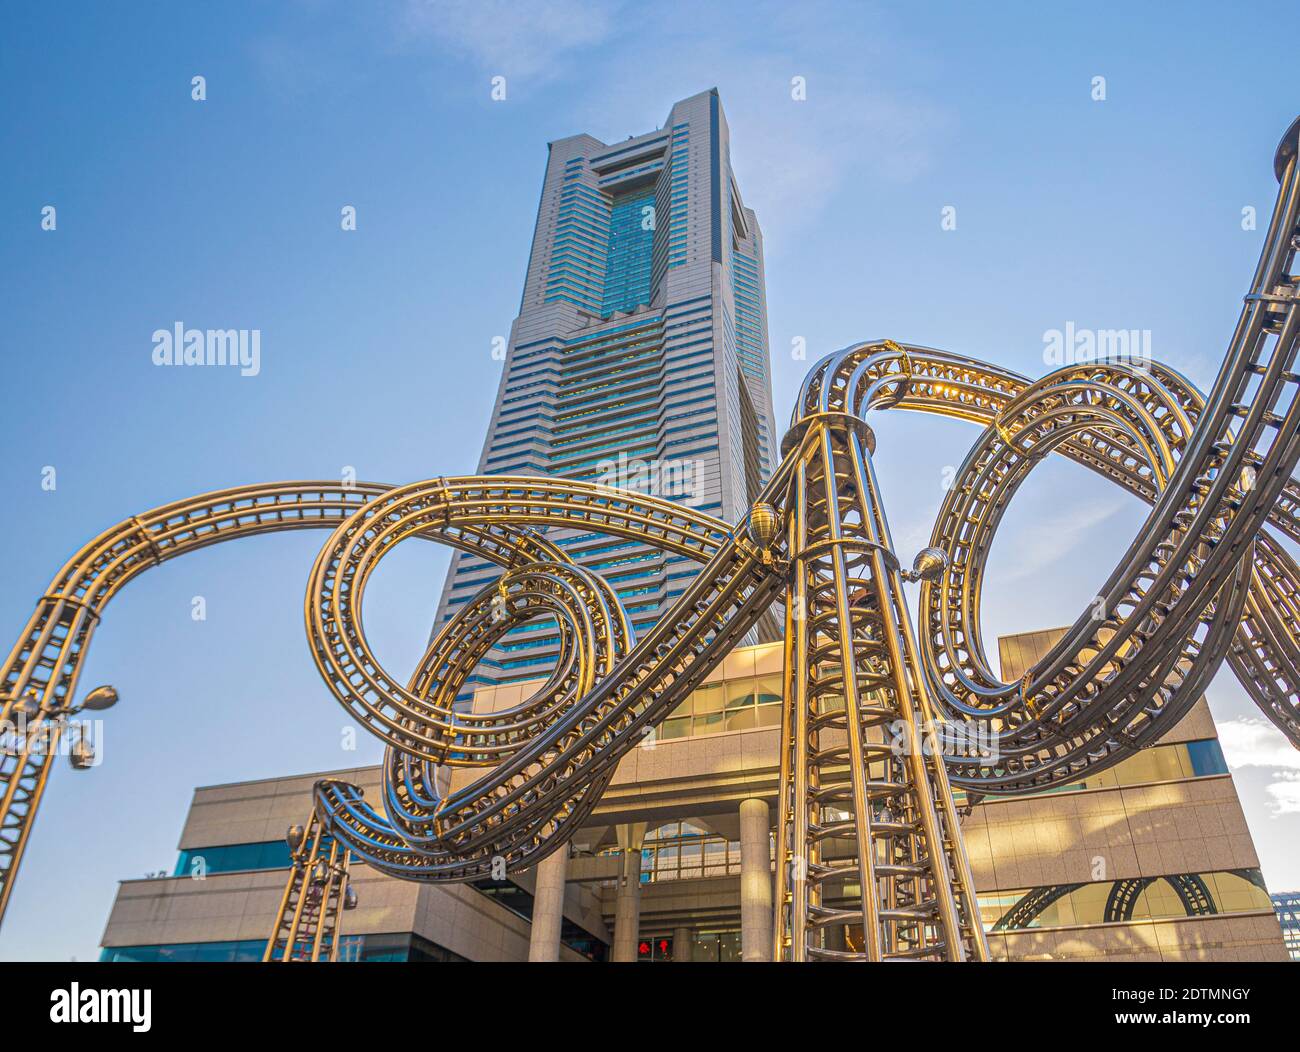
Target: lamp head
point(100, 698)
point(82, 755)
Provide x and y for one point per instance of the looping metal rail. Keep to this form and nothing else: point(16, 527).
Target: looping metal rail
point(868, 838)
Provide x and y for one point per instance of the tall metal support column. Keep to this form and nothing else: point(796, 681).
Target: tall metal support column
point(868, 840)
point(308, 925)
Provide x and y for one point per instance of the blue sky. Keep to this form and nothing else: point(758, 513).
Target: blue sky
point(376, 344)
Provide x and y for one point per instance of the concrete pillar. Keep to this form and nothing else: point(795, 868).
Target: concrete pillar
point(548, 906)
point(627, 907)
point(683, 943)
point(755, 882)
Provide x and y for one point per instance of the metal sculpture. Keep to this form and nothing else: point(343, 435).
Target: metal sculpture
point(868, 834)
point(307, 926)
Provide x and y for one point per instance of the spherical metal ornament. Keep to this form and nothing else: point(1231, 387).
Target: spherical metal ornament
point(764, 525)
point(294, 836)
point(929, 564)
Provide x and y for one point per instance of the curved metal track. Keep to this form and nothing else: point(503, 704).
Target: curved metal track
point(1132, 424)
point(1214, 469)
point(39, 679)
point(598, 704)
point(868, 838)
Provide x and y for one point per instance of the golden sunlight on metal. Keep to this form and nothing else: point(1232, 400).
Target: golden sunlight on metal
point(880, 721)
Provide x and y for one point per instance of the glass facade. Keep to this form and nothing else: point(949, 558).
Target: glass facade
point(627, 262)
point(729, 705)
point(708, 946)
point(744, 702)
point(744, 694)
point(639, 360)
point(722, 947)
point(1158, 763)
point(1118, 901)
point(231, 858)
point(1286, 905)
point(245, 950)
point(520, 902)
point(401, 946)
point(685, 850)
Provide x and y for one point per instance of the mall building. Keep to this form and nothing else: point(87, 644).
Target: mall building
point(1150, 860)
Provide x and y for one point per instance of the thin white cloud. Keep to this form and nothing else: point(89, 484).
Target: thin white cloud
point(792, 157)
point(1256, 743)
point(511, 38)
point(1285, 794)
point(1042, 545)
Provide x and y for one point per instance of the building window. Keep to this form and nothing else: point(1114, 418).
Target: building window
point(1286, 905)
point(398, 946)
point(520, 902)
point(1157, 763)
point(731, 705)
point(685, 850)
point(707, 947)
point(403, 946)
point(229, 858)
point(1120, 901)
point(184, 952)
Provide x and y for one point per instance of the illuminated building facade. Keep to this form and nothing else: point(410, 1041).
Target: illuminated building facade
point(1150, 860)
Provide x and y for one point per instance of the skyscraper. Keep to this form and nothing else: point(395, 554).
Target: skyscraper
point(639, 357)
point(1286, 904)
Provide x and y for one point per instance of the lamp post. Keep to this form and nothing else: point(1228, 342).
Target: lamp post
point(31, 729)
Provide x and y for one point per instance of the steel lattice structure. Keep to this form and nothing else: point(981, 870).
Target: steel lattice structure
point(307, 925)
point(868, 834)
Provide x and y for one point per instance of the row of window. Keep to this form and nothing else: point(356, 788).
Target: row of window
point(1119, 901)
point(398, 946)
point(1286, 904)
point(1159, 763)
point(754, 701)
point(709, 947)
point(731, 705)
